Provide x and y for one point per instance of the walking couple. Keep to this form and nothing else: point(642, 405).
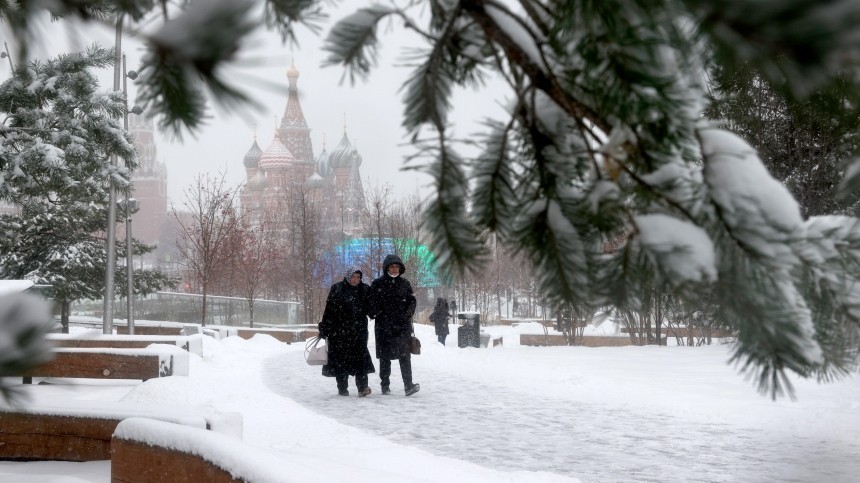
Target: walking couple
point(390, 301)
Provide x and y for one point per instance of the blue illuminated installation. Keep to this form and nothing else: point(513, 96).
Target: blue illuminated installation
point(421, 267)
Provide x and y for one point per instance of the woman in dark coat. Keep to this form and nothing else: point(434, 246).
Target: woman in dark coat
point(344, 327)
point(393, 305)
point(439, 317)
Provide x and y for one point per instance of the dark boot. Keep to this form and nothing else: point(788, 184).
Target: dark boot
point(361, 384)
point(342, 383)
point(385, 375)
point(406, 371)
point(413, 389)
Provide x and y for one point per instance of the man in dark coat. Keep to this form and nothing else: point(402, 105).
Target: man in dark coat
point(393, 304)
point(344, 326)
point(439, 317)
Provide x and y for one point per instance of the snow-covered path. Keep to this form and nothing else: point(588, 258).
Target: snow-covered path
point(477, 407)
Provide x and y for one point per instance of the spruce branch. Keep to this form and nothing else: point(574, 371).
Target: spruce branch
point(454, 239)
point(183, 56)
point(352, 42)
point(494, 192)
point(282, 15)
point(541, 78)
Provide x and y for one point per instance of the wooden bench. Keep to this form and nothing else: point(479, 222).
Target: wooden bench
point(145, 329)
point(192, 344)
point(82, 430)
point(290, 335)
point(584, 341)
point(140, 364)
point(684, 332)
point(145, 450)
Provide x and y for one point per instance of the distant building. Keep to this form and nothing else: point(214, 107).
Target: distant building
point(150, 183)
point(289, 163)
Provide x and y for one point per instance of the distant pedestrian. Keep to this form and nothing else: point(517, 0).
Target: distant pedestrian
point(393, 305)
point(439, 317)
point(344, 326)
point(453, 306)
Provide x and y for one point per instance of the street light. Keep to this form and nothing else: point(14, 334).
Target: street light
point(110, 265)
point(130, 207)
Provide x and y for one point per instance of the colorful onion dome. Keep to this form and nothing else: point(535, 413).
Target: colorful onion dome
point(252, 157)
point(276, 156)
point(323, 165)
point(341, 156)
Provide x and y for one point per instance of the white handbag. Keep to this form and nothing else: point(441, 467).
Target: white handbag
point(315, 354)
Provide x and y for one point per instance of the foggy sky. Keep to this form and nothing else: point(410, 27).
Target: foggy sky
point(371, 110)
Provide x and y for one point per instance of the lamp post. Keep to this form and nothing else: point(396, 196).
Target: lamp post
point(110, 265)
point(130, 205)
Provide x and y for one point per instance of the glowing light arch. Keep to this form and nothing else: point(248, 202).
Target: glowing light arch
point(421, 266)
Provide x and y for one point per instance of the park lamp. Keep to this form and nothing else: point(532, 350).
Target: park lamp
point(130, 206)
point(110, 268)
point(110, 263)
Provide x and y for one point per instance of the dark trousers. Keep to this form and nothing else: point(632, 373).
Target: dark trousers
point(405, 371)
point(441, 339)
point(343, 381)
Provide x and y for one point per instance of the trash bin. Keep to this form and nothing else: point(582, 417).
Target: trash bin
point(468, 334)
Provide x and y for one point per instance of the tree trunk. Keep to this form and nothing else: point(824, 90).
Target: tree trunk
point(203, 310)
point(251, 312)
point(65, 308)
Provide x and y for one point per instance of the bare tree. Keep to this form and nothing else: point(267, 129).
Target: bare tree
point(301, 223)
point(378, 200)
point(206, 229)
point(256, 255)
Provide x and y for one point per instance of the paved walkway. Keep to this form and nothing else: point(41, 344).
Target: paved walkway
point(494, 424)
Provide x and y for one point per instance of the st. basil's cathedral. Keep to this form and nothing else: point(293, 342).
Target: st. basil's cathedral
point(288, 164)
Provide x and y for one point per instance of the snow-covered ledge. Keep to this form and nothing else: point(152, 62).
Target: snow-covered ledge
point(92, 339)
point(82, 430)
point(150, 450)
point(157, 360)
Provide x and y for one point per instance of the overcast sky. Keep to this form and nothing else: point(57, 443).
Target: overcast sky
point(372, 110)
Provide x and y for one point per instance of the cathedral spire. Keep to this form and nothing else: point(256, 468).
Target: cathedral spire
point(294, 131)
point(293, 75)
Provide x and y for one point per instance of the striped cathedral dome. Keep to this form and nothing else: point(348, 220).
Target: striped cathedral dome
point(276, 156)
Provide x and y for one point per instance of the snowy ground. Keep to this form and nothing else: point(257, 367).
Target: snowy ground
point(509, 414)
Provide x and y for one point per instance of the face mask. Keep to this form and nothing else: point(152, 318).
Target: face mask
point(393, 276)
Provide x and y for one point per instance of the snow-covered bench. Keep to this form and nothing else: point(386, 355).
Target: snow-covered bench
point(192, 344)
point(152, 328)
point(145, 450)
point(684, 332)
point(101, 363)
point(585, 341)
point(288, 335)
point(82, 430)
